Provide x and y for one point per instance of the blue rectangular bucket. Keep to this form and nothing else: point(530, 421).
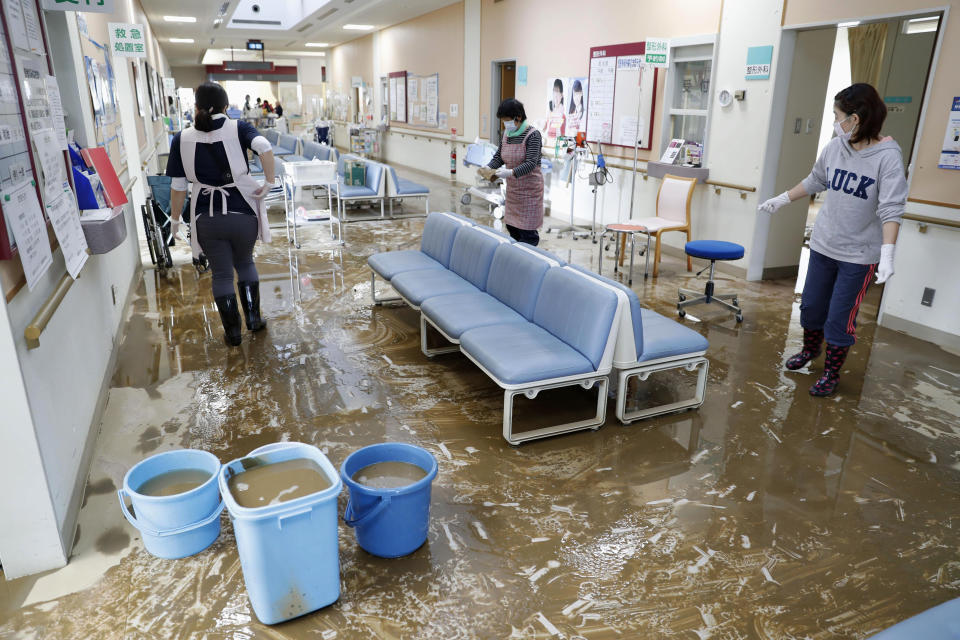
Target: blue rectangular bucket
point(288, 551)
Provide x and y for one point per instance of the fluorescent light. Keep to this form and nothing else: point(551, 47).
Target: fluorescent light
point(358, 27)
point(181, 40)
point(922, 25)
point(317, 44)
point(179, 18)
point(849, 24)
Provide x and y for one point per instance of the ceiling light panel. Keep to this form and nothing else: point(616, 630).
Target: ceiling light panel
point(179, 19)
point(358, 27)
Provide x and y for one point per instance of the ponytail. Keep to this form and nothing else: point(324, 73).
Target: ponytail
point(211, 99)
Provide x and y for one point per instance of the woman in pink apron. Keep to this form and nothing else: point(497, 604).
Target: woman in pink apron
point(227, 213)
point(518, 162)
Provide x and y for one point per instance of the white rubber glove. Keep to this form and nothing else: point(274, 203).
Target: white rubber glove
point(885, 268)
point(262, 192)
point(771, 205)
point(503, 172)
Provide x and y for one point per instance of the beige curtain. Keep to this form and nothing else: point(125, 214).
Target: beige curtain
point(866, 52)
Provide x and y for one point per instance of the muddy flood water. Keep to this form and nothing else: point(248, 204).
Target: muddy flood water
point(764, 514)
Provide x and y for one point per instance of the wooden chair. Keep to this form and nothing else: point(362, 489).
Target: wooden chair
point(673, 214)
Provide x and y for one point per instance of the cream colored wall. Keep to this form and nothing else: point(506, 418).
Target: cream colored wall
point(552, 38)
point(432, 43)
point(354, 58)
point(929, 182)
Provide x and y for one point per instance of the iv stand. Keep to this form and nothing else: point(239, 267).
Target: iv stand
point(577, 232)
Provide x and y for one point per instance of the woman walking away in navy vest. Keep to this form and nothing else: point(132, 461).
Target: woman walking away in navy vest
point(227, 212)
point(855, 232)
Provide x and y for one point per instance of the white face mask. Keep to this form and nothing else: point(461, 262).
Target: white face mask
point(509, 126)
point(839, 129)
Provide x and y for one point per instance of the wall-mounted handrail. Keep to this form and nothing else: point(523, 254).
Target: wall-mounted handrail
point(727, 185)
point(47, 309)
point(952, 224)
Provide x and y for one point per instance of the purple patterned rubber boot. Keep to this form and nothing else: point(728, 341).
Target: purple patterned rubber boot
point(832, 364)
point(812, 341)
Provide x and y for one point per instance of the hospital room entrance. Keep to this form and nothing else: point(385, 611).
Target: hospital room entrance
point(894, 56)
point(503, 84)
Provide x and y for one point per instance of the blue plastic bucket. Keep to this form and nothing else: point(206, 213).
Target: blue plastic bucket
point(182, 524)
point(389, 522)
point(289, 551)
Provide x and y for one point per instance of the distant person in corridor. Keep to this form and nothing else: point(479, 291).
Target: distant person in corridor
point(517, 161)
point(855, 232)
point(227, 213)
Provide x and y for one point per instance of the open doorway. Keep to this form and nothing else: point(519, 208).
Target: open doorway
point(503, 85)
point(894, 56)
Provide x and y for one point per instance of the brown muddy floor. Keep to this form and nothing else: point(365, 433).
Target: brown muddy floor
point(764, 514)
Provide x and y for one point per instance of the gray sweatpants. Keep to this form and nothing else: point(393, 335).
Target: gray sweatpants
point(227, 241)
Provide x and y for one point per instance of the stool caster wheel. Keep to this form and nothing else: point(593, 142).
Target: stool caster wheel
point(736, 302)
point(465, 198)
point(739, 318)
point(681, 313)
point(682, 297)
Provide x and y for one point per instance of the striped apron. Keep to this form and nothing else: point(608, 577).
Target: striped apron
point(524, 202)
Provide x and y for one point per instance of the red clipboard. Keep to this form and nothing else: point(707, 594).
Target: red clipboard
point(97, 158)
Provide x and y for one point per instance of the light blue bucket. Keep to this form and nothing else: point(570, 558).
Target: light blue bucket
point(289, 551)
point(389, 522)
point(180, 525)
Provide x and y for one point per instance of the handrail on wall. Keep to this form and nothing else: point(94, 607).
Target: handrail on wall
point(925, 220)
point(47, 309)
point(40, 321)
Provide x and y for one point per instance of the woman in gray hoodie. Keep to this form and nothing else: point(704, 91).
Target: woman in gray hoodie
point(855, 232)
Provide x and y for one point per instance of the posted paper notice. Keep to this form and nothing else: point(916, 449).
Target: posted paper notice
point(65, 218)
point(950, 153)
point(22, 210)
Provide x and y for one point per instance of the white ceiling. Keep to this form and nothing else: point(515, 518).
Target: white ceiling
point(323, 23)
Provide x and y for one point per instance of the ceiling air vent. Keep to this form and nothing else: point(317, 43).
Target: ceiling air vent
point(326, 14)
point(276, 23)
point(304, 28)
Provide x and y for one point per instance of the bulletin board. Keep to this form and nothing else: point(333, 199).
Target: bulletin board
point(423, 100)
point(619, 84)
point(32, 136)
point(101, 79)
point(398, 96)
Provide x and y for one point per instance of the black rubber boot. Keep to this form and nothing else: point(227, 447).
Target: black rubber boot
point(812, 342)
point(827, 383)
point(250, 300)
point(230, 317)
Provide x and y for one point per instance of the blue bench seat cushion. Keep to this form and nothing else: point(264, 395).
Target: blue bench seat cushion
point(523, 352)
point(636, 311)
point(417, 286)
point(294, 158)
point(472, 254)
point(356, 191)
point(390, 263)
point(714, 250)
point(939, 623)
point(546, 254)
point(411, 188)
point(515, 278)
point(665, 338)
point(439, 232)
point(460, 312)
point(281, 151)
point(576, 310)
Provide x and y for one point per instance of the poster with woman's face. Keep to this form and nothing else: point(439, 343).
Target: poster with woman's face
point(576, 106)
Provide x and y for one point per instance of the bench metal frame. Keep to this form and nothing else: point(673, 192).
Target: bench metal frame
point(690, 362)
point(373, 291)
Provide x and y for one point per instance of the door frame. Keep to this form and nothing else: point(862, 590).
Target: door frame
point(495, 77)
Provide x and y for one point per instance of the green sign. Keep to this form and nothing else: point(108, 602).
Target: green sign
point(127, 40)
point(657, 52)
point(93, 6)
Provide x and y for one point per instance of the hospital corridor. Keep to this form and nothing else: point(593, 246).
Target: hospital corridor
point(423, 319)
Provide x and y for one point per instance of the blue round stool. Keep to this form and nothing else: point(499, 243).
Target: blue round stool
point(711, 250)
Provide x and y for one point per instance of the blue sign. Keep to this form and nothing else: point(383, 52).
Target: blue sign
point(897, 99)
point(759, 60)
point(522, 76)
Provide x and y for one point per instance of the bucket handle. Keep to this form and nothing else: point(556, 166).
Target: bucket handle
point(369, 515)
point(121, 494)
point(274, 446)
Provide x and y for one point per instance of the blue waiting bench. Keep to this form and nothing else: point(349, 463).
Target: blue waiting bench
point(532, 322)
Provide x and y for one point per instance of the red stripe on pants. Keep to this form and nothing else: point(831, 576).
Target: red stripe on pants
point(856, 306)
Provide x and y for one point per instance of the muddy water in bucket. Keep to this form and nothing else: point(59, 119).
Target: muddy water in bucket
point(389, 475)
point(174, 482)
point(268, 484)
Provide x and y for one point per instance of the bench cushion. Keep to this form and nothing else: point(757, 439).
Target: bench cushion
point(577, 311)
point(389, 263)
point(417, 286)
point(636, 315)
point(543, 252)
point(281, 151)
point(472, 254)
point(460, 312)
point(348, 191)
point(374, 175)
point(294, 158)
point(522, 352)
point(411, 188)
point(439, 232)
point(272, 135)
point(939, 623)
point(665, 338)
point(515, 277)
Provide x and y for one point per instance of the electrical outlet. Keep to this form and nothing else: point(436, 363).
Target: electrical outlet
point(927, 299)
point(809, 126)
point(797, 124)
point(113, 293)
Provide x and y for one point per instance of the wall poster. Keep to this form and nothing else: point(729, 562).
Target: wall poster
point(566, 107)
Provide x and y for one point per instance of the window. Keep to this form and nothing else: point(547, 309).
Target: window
point(688, 93)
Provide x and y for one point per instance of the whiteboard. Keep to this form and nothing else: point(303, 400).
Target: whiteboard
point(619, 85)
